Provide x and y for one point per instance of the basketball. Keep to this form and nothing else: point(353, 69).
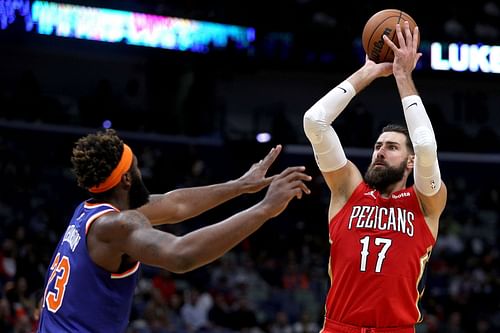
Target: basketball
point(383, 23)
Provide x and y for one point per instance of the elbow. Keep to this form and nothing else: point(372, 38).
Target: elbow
point(180, 265)
point(178, 258)
point(308, 121)
point(313, 127)
point(184, 263)
point(426, 154)
point(313, 116)
point(425, 146)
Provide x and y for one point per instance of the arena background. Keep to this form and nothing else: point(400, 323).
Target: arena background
point(193, 118)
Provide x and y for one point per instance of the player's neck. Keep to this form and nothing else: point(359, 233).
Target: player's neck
point(395, 187)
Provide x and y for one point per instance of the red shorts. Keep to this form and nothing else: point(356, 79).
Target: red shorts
point(331, 326)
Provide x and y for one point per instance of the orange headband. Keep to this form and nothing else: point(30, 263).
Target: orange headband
point(116, 175)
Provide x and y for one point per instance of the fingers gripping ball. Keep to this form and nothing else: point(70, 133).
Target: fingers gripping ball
point(383, 23)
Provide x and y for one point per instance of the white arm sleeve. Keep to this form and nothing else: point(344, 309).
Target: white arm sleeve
point(325, 142)
point(426, 171)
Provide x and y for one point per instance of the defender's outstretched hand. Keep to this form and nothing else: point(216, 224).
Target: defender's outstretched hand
point(255, 178)
point(284, 187)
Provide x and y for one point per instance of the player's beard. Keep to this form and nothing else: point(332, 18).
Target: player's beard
point(139, 194)
point(380, 178)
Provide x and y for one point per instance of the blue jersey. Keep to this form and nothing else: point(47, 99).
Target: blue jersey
point(79, 295)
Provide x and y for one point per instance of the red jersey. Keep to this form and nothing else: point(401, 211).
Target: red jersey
point(379, 251)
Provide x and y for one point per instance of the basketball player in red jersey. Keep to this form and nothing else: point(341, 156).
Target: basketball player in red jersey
point(381, 231)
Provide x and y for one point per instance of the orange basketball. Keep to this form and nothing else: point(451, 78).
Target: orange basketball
point(383, 23)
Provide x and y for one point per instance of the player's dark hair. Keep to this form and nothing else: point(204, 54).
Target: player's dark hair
point(400, 129)
point(95, 156)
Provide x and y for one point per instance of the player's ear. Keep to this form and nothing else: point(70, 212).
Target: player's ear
point(411, 161)
point(127, 178)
